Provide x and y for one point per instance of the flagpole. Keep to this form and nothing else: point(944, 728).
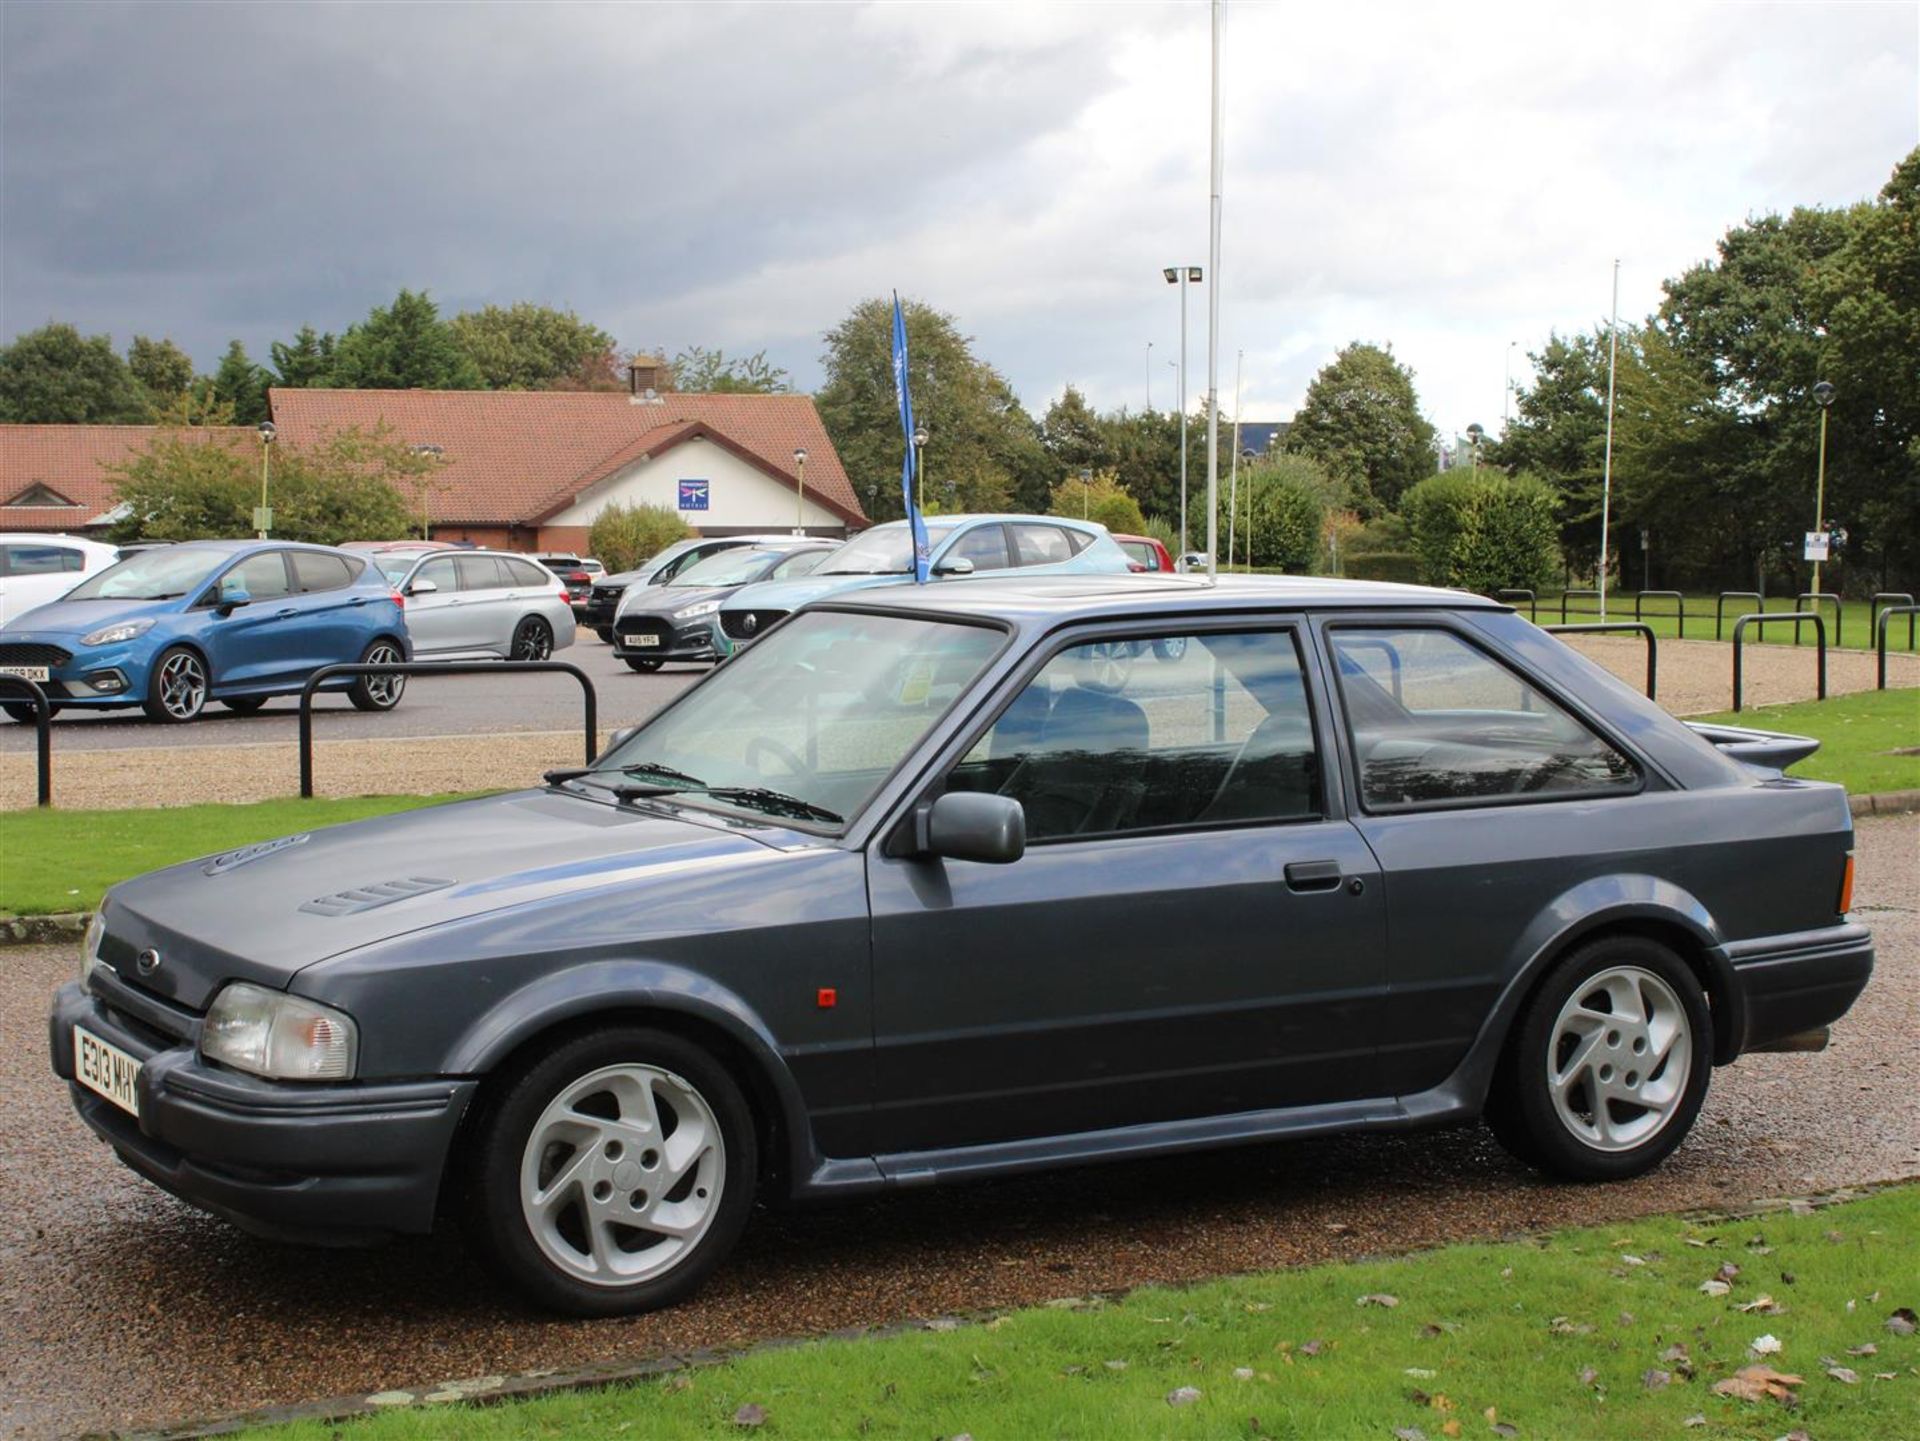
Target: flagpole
point(1606, 465)
point(1233, 468)
point(1213, 315)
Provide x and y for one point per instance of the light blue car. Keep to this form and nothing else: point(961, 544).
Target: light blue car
point(962, 545)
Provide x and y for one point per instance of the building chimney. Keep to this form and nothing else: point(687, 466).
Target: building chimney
point(648, 373)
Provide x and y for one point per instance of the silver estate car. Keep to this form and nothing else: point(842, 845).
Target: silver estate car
point(476, 604)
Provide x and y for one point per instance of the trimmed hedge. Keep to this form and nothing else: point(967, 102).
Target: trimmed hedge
point(1483, 530)
point(1288, 500)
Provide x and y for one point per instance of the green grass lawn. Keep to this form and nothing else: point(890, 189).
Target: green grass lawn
point(55, 860)
point(1658, 613)
point(1593, 1334)
point(1858, 736)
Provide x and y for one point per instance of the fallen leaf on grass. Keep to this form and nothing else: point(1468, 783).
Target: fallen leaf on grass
point(1312, 1348)
point(1901, 1322)
point(1409, 1433)
point(1421, 1373)
point(750, 1415)
point(1764, 1305)
point(1845, 1375)
point(1869, 1349)
point(1243, 1373)
point(1588, 1376)
point(1714, 1288)
point(1116, 1365)
point(1656, 1380)
point(1727, 1271)
point(1450, 1428)
point(1185, 1396)
point(1378, 1298)
point(1767, 1345)
point(1501, 1428)
point(1632, 1260)
point(1697, 1419)
point(1758, 1383)
point(1561, 1326)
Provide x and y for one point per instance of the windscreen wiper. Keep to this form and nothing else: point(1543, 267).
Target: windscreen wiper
point(774, 803)
point(660, 772)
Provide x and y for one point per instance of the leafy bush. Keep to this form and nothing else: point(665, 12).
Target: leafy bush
point(1481, 530)
point(1382, 550)
point(624, 535)
point(1283, 502)
point(1100, 499)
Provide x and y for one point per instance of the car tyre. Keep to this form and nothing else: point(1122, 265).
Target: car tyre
point(1607, 1064)
point(378, 692)
point(177, 686)
point(244, 704)
point(1170, 647)
point(645, 664)
point(532, 640)
point(605, 632)
point(23, 711)
point(568, 1172)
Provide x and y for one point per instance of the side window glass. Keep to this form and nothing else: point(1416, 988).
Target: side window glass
point(804, 563)
point(441, 573)
point(1435, 719)
point(1040, 545)
point(262, 577)
point(984, 545)
point(481, 572)
point(320, 572)
point(1156, 733)
point(42, 560)
point(525, 572)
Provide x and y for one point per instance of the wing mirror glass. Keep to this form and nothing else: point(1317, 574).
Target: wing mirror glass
point(422, 587)
point(973, 826)
point(233, 593)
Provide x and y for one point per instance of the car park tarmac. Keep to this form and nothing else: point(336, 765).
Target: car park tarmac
point(120, 1307)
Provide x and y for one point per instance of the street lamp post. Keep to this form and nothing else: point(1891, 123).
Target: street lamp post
point(1475, 434)
point(1506, 395)
point(1179, 275)
point(1823, 396)
point(800, 496)
point(1149, 377)
point(426, 490)
point(263, 518)
point(1086, 484)
point(919, 467)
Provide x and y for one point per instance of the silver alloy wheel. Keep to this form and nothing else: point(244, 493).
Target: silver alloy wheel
point(533, 641)
point(183, 685)
point(383, 690)
point(622, 1175)
point(1105, 665)
point(1619, 1058)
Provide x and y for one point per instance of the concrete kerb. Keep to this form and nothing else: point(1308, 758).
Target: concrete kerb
point(72, 925)
point(489, 1390)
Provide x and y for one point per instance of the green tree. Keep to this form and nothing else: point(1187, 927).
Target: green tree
point(162, 369)
point(622, 536)
point(711, 372)
point(983, 450)
point(1362, 422)
point(1483, 530)
point(241, 384)
point(526, 346)
point(54, 376)
point(189, 484)
point(1074, 436)
point(1101, 498)
point(350, 485)
point(404, 346)
point(1280, 511)
point(305, 364)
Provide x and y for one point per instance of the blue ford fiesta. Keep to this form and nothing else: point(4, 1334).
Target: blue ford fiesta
point(237, 621)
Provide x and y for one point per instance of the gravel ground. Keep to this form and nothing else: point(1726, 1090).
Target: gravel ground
point(120, 1306)
point(1696, 676)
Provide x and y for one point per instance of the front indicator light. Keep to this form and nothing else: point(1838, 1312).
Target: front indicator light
point(280, 1037)
point(114, 634)
point(90, 947)
point(1846, 886)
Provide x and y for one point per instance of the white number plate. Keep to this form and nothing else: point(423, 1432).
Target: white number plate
point(26, 672)
point(106, 1071)
point(643, 641)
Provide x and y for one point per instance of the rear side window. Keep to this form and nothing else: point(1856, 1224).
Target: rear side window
point(262, 577)
point(984, 545)
point(1040, 545)
point(1437, 721)
point(42, 560)
point(525, 572)
point(315, 571)
point(1141, 552)
point(482, 572)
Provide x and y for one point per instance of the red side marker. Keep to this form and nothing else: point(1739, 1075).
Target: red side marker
point(826, 998)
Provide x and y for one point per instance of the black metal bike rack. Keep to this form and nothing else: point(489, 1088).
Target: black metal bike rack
point(590, 699)
point(1762, 620)
point(1521, 593)
point(1584, 594)
point(1623, 627)
point(1816, 596)
point(1720, 605)
point(43, 743)
point(1892, 597)
point(1673, 595)
point(1880, 639)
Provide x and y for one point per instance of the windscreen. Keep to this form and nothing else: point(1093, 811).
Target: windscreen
point(729, 567)
point(153, 575)
point(884, 550)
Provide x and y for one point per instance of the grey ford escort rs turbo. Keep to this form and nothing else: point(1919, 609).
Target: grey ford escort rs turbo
point(947, 882)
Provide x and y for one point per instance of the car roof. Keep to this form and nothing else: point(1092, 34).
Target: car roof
point(1068, 597)
point(1073, 522)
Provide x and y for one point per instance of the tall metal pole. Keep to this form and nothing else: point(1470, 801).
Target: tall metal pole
point(1213, 313)
point(1149, 377)
point(1506, 395)
point(1233, 470)
point(1606, 465)
point(1820, 498)
point(1181, 401)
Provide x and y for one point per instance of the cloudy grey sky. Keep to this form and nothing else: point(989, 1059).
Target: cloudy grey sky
point(1446, 178)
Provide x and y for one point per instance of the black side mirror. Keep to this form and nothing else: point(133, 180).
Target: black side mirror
point(973, 826)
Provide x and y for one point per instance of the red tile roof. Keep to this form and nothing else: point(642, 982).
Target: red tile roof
point(516, 457)
point(76, 461)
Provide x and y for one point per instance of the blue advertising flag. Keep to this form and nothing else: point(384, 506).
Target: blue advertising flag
point(922, 554)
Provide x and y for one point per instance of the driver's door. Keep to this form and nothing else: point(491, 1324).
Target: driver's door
point(250, 646)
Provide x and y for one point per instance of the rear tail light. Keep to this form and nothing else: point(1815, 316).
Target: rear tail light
point(398, 599)
point(1135, 566)
point(1846, 886)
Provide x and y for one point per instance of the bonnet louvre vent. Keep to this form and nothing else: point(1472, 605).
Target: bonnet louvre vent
point(367, 898)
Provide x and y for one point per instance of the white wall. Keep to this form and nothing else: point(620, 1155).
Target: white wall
point(738, 494)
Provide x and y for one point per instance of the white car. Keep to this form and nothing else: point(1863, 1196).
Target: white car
point(479, 604)
point(35, 569)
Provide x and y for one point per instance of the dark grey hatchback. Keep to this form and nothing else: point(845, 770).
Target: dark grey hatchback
point(954, 882)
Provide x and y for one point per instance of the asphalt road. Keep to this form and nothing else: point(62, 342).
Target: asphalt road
point(432, 706)
point(122, 1307)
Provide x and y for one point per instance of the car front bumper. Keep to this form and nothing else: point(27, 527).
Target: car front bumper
point(1793, 984)
point(683, 641)
point(333, 1164)
point(100, 676)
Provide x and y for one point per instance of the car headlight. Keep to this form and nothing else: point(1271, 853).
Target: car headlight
point(90, 947)
point(114, 634)
point(281, 1037)
point(698, 608)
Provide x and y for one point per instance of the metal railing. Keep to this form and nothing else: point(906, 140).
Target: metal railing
point(1880, 640)
point(1625, 627)
point(43, 743)
point(1520, 592)
point(1353, 642)
point(1720, 605)
point(1584, 594)
point(1816, 596)
point(591, 700)
point(1673, 595)
point(1762, 620)
point(1892, 597)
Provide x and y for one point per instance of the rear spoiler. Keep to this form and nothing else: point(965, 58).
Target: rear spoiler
point(1772, 749)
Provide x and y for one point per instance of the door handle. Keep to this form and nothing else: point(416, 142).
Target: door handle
point(283, 614)
point(1313, 875)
